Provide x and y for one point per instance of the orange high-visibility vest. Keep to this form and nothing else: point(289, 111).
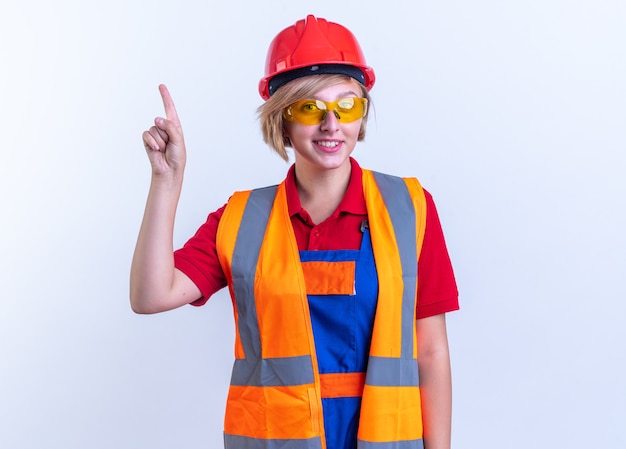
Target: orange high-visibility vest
point(274, 399)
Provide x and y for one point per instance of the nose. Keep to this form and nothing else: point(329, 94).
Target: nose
point(330, 121)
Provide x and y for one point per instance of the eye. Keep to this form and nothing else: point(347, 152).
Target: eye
point(309, 107)
point(312, 106)
point(346, 103)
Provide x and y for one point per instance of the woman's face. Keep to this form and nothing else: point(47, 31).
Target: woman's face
point(327, 145)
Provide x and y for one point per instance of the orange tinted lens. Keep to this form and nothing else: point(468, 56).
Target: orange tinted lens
point(312, 112)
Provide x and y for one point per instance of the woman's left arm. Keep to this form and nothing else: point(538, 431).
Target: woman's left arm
point(433, 362)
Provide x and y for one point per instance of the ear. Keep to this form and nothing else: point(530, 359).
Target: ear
point(286, 138)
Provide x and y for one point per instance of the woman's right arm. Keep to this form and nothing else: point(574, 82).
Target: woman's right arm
point(155, 284)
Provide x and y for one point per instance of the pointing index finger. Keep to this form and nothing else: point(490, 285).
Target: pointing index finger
point(168, 103)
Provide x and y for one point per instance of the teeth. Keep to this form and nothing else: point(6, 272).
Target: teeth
point(327, 144)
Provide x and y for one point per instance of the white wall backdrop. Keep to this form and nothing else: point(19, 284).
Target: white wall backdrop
point(511, 113)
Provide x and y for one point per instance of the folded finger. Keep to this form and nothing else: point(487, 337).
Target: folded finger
point(149, 142)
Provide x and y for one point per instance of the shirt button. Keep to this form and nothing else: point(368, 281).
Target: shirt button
point(316, 233)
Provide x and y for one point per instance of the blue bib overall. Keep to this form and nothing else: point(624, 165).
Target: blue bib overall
point(342, 328)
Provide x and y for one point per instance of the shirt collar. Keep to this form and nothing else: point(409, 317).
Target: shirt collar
point(353, 201)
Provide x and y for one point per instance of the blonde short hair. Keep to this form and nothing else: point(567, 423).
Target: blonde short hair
point(271, 112)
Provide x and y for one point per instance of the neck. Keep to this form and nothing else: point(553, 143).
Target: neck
point(321, 192)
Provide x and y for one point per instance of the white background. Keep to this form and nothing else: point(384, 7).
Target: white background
point(511, 113)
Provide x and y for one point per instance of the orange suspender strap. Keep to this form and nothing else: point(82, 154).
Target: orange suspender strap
point(342, 385)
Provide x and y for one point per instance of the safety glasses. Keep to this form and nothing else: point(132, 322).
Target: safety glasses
point(313, 112)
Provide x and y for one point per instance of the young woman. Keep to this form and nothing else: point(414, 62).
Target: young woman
point(339, 276)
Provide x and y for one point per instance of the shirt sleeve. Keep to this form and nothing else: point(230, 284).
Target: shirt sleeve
point(199, 261)
point(436, 285)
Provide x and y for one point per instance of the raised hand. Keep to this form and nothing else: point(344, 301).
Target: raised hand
point(164, 142)
point(155, 284)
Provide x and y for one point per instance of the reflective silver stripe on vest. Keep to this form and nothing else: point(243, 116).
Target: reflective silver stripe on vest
point(245, 257)
point(239, 442)
point(254, 370)
point(391, 372)
point(409, 444)
point(402, 371)
point(273, 372)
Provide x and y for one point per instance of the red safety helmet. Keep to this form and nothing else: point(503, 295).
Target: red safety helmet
point(313, 46)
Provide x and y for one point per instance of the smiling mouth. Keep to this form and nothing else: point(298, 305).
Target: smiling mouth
point(326, 143)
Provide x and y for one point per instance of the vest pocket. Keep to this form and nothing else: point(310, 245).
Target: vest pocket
point(315, 412)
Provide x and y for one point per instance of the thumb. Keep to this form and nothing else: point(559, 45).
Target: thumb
point(169, 130)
